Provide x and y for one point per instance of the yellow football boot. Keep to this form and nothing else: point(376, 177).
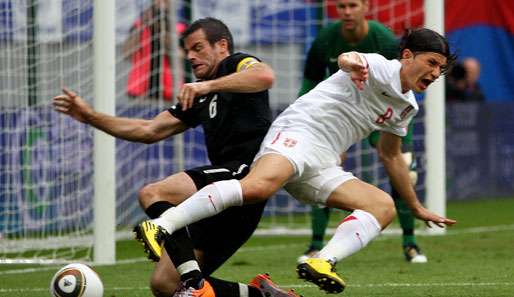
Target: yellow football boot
point(151, 237)
point(322, 273)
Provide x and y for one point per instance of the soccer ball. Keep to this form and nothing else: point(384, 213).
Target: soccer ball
point(76, 280)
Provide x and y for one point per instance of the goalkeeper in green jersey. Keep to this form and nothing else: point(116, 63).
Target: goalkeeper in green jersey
point(354, 33)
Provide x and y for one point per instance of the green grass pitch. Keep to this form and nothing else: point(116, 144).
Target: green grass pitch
point(474, 258)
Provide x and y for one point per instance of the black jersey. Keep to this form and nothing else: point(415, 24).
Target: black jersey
point(234, 123)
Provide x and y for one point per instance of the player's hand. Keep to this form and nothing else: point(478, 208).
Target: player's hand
point(190, 91)
point(359, 76)
point(73, 105)
point(357, 66)
point(429, 217)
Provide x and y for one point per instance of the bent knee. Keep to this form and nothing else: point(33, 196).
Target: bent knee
point(384, 209)
point(257, 190)
point(148, 195)
point(162, 287)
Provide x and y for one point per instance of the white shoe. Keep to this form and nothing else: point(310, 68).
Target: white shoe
point(414, 255)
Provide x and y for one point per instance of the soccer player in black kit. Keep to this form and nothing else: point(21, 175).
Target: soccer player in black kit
point(230, 101)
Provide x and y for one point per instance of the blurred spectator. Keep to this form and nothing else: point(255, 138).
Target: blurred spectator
point(462, 82)
point(456, 83)
point(472, 67)
point(148, 46)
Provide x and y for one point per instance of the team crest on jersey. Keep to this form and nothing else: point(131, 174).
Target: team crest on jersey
point(406, 111)
point(289, 142)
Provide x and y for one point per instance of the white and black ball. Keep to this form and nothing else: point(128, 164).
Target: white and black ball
point(76, 280)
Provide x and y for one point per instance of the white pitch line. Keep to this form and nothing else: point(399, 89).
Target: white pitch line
point(56, 267)
point(29, 270)
point(386, 232)
point(377, 285)
point(450, 284)
point(474, 230)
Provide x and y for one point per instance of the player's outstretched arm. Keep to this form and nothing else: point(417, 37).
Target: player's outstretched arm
point(251, 78)
point(139, 130)
point(73, 105)
point(389, 148)
point(356, 65)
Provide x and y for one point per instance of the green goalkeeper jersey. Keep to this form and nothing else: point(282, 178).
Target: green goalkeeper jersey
point(329, 44)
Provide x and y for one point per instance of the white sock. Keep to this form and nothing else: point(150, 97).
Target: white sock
point(205, 203)
point(243, 290)
point(353, 234)
point(188, 266)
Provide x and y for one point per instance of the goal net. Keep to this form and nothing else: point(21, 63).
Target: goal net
point(46, 158)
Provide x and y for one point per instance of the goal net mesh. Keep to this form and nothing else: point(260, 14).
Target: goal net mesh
point(46, 158)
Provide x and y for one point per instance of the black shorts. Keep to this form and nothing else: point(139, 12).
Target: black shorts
point(220, 236)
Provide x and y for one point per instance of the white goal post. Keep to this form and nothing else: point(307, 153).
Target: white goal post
point(435, 126)
point(104, 52)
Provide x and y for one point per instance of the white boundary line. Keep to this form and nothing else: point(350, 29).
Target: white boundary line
point(377, 285)
point(388, 231)
point(449, 284)
point(474, 230)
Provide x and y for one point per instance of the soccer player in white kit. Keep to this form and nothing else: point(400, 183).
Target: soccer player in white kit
point(301, 151)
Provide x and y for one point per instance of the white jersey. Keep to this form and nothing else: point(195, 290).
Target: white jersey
point(336, 114)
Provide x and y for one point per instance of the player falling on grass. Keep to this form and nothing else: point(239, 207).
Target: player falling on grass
point(230, 101)
point(301, 151)
point(354, 33)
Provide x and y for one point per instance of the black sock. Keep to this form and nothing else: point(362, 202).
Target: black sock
point(192, 279)
point(230, 289)
point(180, 250)
point(254, 292)
point(157, 208)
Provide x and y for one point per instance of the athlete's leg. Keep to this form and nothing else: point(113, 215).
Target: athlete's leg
point(373, 210)
point(411, 250)
point(320, 216)
point(406, 219)
point(173, 189)
point(219, 237)
point(319, 222)
point(166, 278)
point(179, 246)
point(268, 174)
point(155, 198)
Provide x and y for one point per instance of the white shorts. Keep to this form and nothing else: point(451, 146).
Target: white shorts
point(317, 170)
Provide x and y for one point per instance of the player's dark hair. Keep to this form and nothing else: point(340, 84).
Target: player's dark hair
point(214, 29)
point(426, 40)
